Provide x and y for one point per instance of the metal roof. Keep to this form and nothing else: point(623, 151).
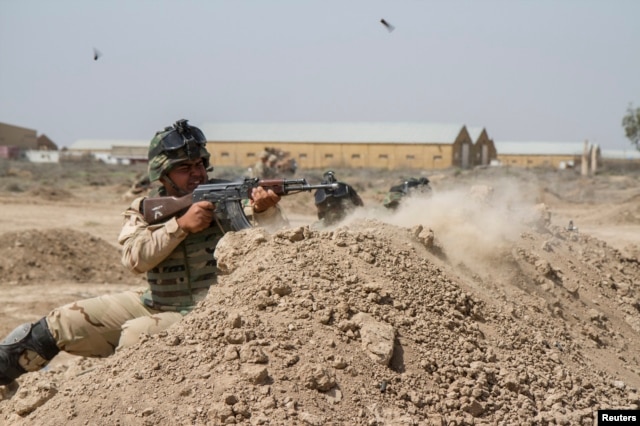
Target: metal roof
point(539, 148)
point(625, 154)
point(334, 132)
point(105, 144)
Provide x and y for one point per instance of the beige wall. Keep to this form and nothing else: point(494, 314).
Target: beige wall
point(328, 155)
point(537, 160)
point(18, 136)
point(356, 156)
point(235, 154)
point(140, 152)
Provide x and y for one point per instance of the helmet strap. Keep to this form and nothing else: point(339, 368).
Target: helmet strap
point(172, 184)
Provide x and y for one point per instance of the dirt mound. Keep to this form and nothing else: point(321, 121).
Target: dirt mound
point(59, 255)
point(368, 325)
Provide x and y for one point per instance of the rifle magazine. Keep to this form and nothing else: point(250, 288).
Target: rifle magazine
point(232, 217)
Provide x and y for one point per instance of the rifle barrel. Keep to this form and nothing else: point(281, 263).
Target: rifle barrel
point(307, 187)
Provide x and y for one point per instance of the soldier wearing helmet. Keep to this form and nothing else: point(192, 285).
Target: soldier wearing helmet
point(333, 205)
point(177, 257)
point(272, 164)
point(408, 187)
point(261, 169)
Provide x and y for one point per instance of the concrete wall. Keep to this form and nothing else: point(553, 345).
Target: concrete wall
point(43, 156)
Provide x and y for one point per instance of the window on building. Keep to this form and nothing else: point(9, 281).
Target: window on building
point(224, 154)
point(437, 157)
point(383, 156)
point(411, 157)
point(251, 154)
point(328, 155)
point(354, 156)
point(302, 155)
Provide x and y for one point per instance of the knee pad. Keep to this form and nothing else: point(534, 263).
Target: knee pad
point(29, 347)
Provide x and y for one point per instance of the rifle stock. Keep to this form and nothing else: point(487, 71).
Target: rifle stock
point(157, 209)
point(226, 196)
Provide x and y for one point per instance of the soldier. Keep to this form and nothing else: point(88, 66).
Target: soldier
point(139, 187)
point(177, 256)
point(408, 187)
point(272, 167)
point(259, 170)
point(333, 205)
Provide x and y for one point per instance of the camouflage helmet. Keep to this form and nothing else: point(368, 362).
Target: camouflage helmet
point(329, 177)
point(173, 145)
point(392, 199)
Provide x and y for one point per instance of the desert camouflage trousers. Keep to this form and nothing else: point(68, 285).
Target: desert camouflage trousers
point(97, 327)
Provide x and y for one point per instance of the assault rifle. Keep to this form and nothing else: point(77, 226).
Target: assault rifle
point(227, 198)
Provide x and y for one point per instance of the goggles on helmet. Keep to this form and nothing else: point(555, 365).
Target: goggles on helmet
point(180, 136)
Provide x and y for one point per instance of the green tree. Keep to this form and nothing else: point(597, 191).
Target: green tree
point(631, 124)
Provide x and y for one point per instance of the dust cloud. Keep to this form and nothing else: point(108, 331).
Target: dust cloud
point(475, 223)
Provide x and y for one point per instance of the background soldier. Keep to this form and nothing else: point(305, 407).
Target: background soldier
point(408, 187)
point(333, 205)
point(272, 167)
point(259, 170)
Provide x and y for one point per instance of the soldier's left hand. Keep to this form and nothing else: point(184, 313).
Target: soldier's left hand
point(262, 199)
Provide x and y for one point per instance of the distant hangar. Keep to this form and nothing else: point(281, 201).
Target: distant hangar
point(322, 145)
point(353, 144)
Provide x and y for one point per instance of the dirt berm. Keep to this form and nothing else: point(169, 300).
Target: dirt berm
point(371, 325)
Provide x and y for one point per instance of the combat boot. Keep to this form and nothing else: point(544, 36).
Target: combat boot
point(27, 348)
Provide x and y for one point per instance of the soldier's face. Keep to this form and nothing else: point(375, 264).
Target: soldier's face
point(187, 176)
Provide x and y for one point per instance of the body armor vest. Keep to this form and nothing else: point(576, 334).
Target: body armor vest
point(182, 279)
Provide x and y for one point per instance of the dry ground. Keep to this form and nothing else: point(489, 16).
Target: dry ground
point(470, 311)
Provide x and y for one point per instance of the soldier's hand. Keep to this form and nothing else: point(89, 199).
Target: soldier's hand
point(198, 217)
point(262, 199)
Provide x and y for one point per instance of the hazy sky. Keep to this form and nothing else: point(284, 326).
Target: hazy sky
point(534, 70)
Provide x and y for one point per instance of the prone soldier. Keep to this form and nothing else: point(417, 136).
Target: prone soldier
point(334, 204)
point(408, 187)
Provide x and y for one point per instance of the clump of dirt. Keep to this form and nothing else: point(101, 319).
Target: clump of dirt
point(59, 255)
point(366, 325)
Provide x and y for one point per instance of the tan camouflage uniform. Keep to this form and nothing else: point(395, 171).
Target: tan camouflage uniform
point(180, 267)
point(98, 326)
point(259, 170)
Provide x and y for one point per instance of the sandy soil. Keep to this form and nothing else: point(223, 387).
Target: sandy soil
point(456, 309)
